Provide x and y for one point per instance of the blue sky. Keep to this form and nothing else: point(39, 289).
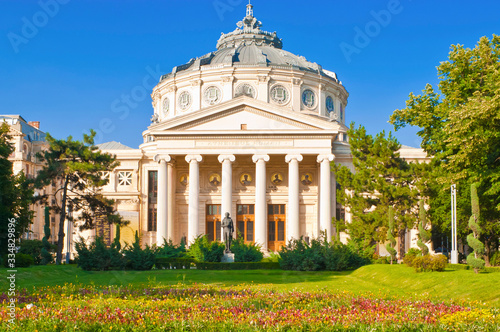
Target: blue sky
point(71, 64)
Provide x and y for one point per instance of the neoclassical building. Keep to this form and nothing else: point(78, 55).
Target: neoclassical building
point(248, 129)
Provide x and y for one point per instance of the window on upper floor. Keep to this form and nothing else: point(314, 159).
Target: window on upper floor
point(124, 178)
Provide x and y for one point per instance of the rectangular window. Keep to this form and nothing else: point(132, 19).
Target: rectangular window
point(124, 178)
point(152, 199)
point(152, 219)
point(272, 231)
point(250, 231)
point(281, 231)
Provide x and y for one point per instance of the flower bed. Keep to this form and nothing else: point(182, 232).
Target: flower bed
point(245, 308)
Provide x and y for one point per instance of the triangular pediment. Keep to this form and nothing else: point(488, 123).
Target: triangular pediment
point(245, 114)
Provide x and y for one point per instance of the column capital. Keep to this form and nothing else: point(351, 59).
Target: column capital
point(257, 157)
point(323, 157)
point(159, 157)
point(224, 157)
point(194, 157)
point(291, 157)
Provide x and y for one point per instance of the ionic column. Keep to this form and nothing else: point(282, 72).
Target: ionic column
point(293, 227)
point(194, 196)
point(227, 183)
point(162, 204)
point(171, 199)
point(325, 213)
point(260, 200)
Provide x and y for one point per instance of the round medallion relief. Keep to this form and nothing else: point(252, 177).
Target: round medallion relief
point(329, 104)
point(308, 98)
point(246, 179)
point(166, 106)
point(185, 100)
point(277, 179)
point(279, 94)
point(212, 95)
point(245, 90)
point(214, 179)
point(184, 179)
point(306, 179)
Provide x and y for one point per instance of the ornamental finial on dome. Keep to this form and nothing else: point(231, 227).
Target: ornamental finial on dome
point(248, 33)
point(249, 9)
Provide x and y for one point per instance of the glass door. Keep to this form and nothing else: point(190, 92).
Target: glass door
point(276, 225)
point(245, 222)
point(213, 222)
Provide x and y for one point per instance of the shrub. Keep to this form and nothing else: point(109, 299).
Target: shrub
point(495, 259)
point(246, 252)
point(22, 260)
point(34, 249)
point(98, 257)
point(411, 255)
point(137, 258)
point(170, 250)
point(429, 263)
point(320, 255)
point(203, 251)
point(273, 258)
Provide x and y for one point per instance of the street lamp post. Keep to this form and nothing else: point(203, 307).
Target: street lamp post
point(454, 251)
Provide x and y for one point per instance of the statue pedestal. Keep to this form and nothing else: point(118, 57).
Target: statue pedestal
point(228, 258)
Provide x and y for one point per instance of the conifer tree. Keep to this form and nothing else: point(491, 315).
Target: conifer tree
point(47, 257)
point(390, 247)
point(381, 179)
point(116, 241)
point(77, 166)
point(423, 234)
point(474, 259)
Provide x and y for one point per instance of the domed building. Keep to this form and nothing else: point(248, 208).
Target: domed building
point(250, 130)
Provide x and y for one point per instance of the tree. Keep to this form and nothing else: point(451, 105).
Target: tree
point(47, 257)
point(381, 179)
point(460, 129)
point(79, 166)
point(474, 259)
point(423, 234)
point(16, 194)
point(392, 241)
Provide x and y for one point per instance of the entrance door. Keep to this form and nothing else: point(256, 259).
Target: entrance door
point(213, 222)
point(276, 223)
point(245, 222)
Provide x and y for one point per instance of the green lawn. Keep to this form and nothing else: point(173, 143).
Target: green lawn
point(386, 279)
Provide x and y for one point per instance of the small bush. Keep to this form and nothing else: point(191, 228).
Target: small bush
point(411, 255)
point(170, 250)
point(203, 251)
point(139, 259)
point(321, 255)
point(430, 263)
point(495, 259)
point(34, 248)
point(22, 260)
point(98, 256)
point(246, 252)
point(273, 258)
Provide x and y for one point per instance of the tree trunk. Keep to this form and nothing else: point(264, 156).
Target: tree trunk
point(402, 233)
point(487, 251)
point(62, 217)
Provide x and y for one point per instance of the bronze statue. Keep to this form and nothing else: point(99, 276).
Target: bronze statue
point(228, 229)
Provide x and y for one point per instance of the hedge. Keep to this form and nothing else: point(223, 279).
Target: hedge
point(467, 267)
point(238, 266)
point(167, 263)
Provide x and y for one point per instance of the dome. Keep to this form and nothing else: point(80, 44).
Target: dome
point(249, 46)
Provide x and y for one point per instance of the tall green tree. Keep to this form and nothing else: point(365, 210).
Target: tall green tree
point(474, 259)
point(460, 129)
point(76, 167)
point(423, 234)
point(391, 246)
point(381, 179)
point(16, 193)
